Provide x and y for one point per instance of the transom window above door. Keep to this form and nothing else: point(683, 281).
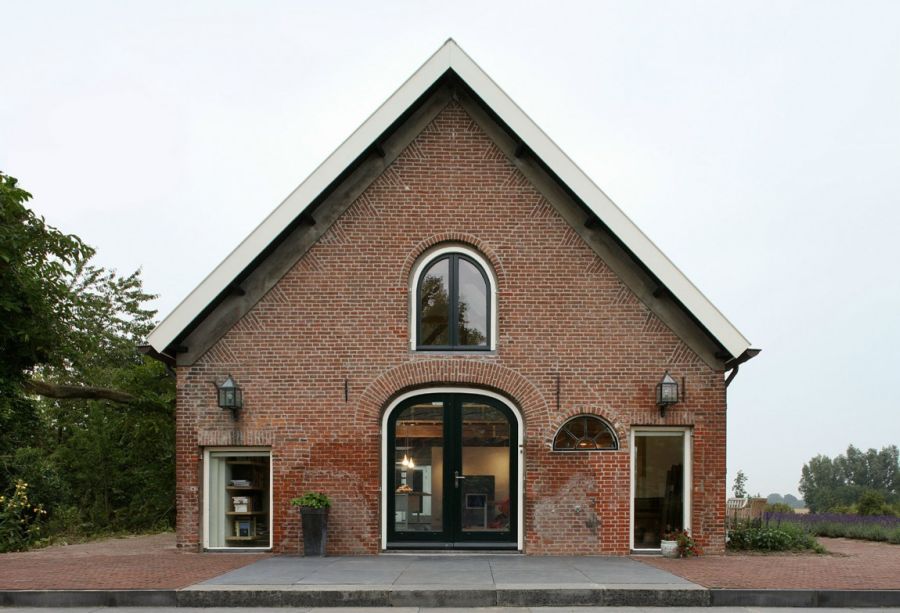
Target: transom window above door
point(453, 302)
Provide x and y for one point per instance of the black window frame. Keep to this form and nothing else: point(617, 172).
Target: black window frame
point(453, 331)
point(588, 416)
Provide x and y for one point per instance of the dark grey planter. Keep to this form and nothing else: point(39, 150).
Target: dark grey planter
point(315, 530)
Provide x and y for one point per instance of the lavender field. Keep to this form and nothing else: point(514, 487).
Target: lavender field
point(871, 528)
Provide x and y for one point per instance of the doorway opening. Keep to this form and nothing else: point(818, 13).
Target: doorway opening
point(452, 471)
point(660, 485)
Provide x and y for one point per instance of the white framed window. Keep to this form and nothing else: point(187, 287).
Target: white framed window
point(237, 498)
point(660, 484)
point(453, 301)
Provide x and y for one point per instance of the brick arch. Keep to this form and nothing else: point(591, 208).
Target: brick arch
point(452, 237)
point(607, 414)
point(437, 372)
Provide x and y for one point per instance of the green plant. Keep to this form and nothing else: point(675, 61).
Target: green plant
point(872, 503)
point(312, 500)
point(20, 521)
point(786, 536)
point(687, 547)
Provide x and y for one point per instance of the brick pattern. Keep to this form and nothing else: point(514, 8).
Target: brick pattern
point(342, 314)
point(849, 565)
point(131, 563)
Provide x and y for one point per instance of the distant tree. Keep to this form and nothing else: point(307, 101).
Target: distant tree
point(740, 485)
point(839, 483)
point(793, 501)
point(779, 507)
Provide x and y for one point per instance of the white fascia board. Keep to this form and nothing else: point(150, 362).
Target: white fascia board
point(450, 55)
point(266, 232)
point(619, 223)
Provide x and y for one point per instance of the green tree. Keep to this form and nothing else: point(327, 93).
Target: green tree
point(740, 485)
point(35, 303)
point(85, 420)
point(841, 482)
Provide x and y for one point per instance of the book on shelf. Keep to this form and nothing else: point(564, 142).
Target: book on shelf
point(243, 528)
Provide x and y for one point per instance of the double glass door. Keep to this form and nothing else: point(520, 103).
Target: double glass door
point(452, 473)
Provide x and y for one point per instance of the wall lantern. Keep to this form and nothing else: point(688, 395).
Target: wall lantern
point(666, 393)
point(230, 397)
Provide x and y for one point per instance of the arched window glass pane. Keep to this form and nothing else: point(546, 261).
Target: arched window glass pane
point(473, 307)
point(585, 433)
point(434, 301)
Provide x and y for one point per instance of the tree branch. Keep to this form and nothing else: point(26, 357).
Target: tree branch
point(64, 392)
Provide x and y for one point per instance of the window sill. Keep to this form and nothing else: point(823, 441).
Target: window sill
point(446, 352)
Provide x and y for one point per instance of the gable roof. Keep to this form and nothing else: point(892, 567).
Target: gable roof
point(450, 58)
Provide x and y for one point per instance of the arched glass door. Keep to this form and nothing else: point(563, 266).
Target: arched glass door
point(452, 473)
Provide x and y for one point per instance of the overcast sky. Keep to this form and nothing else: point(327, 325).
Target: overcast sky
point(757, 143)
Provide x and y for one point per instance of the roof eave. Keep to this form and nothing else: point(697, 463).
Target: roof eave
point(449, 57)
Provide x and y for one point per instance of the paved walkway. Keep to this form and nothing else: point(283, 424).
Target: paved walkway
point(429, 571)
point(445, 581)
point(137, 562)
point(152, 562)
point(856, 565)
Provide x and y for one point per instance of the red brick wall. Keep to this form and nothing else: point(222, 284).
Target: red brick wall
point(342, 312)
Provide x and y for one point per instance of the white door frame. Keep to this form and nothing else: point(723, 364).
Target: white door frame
point(687, 433)
point(261, 451)
point(520, 507)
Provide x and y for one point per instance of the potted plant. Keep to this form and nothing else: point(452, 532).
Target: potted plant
point(668, 547)
point(679, 544)
point(314, 517)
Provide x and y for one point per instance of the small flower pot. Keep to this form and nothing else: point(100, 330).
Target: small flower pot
point(315, 530)
point(669, 549)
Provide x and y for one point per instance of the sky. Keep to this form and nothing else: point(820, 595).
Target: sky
point(756, 143)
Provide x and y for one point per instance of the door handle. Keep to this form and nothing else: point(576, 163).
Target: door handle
point(457, 477)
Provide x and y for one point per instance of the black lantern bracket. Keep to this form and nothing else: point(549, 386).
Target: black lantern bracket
point(667, 393)
point(230, 396)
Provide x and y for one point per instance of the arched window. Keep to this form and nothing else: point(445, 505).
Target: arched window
point(453, 302)
point(585, 433)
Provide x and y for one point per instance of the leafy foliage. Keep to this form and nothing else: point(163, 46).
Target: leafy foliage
point(687, 547)
point(312, 500)
point(828, 484)
point(95, 465)
point(19, 519)
point(740, 485)
point(786, 537)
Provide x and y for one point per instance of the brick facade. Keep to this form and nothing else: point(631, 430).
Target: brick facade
point(342, 314)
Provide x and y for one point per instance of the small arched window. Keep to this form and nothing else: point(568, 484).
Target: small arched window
point(453, 295)
point(585, 433)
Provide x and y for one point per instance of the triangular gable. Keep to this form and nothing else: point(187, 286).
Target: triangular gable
point(450, 57)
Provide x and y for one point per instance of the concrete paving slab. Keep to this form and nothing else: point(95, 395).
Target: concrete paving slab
point(571, 577)
point(349, 577)
point(448, 577)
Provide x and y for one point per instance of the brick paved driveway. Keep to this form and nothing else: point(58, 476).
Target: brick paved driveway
point(860, 565)
point(137, 562)
point(144, 562)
